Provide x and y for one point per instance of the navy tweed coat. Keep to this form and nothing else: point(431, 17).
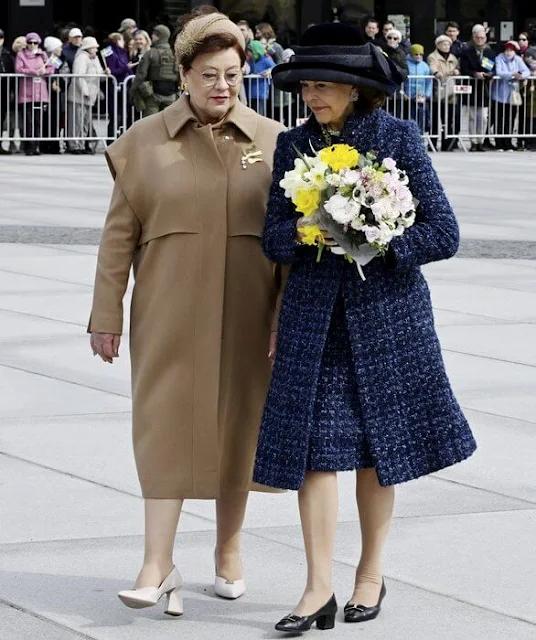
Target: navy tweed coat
point(414, 425)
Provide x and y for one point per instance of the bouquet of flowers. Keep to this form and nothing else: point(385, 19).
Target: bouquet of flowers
point(360, 203)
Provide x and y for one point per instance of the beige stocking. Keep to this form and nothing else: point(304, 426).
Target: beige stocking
point(161, 521)
point(375, 504)
point(230, 513)
point(318, 500)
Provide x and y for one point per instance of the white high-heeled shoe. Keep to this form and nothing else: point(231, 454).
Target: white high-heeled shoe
point(149, 596)
point(229, 589)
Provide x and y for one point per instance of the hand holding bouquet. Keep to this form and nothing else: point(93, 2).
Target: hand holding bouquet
point(352, 198)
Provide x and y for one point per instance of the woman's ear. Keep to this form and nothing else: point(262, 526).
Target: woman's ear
point(182, 74)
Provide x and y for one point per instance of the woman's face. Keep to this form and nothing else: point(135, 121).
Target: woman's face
point(140, 41)
point(393, 41)
point(121, 43)
point(510, 54)
point(444, 46)
point(330, 102)
point(33, 45)
point(92, 52)
point(213, 83)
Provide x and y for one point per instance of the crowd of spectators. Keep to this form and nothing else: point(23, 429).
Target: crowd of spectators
point(62, 80)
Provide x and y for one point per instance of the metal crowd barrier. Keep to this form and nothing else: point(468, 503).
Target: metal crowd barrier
point(80, 111)
point(77, 110)
point(499, 108)
point(419, 99)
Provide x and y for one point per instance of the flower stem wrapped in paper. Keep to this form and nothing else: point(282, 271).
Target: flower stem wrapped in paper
point(360, 203)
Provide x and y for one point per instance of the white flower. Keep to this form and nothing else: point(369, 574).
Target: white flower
point(357, 223)
point(351, 178)
point(300, 166)
point(371, 233)
point(334, 180)
point(389, 164)
point(403, 193)
point(317, 175)
point(403, 177)
point(384, 209)
point(292, 181)
point(339, 209)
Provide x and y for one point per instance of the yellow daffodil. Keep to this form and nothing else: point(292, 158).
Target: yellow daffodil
point(339, 156)
point(307, 201)
point(311, 234)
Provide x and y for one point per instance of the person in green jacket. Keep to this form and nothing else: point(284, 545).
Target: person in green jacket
point(155, 86)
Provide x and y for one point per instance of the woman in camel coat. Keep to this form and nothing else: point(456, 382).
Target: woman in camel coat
point(188, 208)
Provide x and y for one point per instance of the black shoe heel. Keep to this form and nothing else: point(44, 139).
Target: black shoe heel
point(360, 613)
point(325, 623)
point(324, 618)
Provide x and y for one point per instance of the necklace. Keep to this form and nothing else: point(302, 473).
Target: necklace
point(328, 133)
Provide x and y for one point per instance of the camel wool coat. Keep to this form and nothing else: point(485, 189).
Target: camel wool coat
point(189, 218)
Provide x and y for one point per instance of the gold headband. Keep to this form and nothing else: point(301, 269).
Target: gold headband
point(199, 28)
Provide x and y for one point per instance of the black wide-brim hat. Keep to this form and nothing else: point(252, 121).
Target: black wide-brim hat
point(336, 52)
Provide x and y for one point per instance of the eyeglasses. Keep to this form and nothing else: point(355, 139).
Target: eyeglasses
point(33, 42)
point(393, 38)
point(210, 78)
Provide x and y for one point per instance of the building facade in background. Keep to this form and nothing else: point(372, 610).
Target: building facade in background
point(422, 19)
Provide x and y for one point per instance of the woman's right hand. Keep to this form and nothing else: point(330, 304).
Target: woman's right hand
point(105, 345)
point(303, 222)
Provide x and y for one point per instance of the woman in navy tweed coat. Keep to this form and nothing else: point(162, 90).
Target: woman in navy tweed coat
point(358, 379)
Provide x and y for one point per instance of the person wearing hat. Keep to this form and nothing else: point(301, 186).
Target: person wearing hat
point(83, 93)
point(478, 62)
point(155, 86)
point(6, 92)
point(418, 88)
point(71, 48)
point(506, 96)
point(358, 381)
point(188, 209)
point(33, 97)
point(53, 123)
point(260, 64)
point(127, 28)
point(443, 66)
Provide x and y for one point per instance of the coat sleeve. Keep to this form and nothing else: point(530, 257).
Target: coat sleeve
point(279, 237)
point(120, 238)
point(435, 234)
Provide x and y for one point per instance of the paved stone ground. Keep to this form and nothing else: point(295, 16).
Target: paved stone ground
point(460, 561)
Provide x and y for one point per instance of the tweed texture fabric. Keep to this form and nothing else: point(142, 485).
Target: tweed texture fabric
point(337, 441)
point(413, 423)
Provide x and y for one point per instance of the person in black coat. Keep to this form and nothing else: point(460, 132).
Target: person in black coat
point(358, 381)
point(452, 30)
point(6, 91)
point(478, 62)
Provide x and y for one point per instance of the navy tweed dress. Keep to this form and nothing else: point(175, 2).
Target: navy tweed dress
point(359, 379)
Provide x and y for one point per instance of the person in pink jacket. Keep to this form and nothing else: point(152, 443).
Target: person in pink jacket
point(33, 90)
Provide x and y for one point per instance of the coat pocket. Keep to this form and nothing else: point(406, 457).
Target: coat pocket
point(158, 227)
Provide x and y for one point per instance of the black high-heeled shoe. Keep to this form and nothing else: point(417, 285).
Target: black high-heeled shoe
point(324, 618)
point(360, 613)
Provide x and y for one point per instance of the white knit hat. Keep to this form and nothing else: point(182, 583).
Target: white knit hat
point(52, 43)
point(89, 43)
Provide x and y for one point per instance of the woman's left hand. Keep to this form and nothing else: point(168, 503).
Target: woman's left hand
point(273, 346)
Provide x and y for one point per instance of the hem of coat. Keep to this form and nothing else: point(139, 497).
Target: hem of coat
point(210, 495)
point(386, 479)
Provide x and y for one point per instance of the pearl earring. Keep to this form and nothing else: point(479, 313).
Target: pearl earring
point(184, 88)
point(355, 96)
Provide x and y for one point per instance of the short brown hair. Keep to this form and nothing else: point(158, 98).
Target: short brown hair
point(370, 100)
point(212, 44)
point(266, 30)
